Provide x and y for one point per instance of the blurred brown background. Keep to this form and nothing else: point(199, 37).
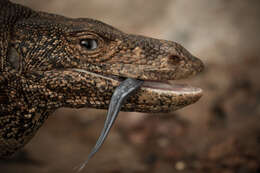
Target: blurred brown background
point(220, 133)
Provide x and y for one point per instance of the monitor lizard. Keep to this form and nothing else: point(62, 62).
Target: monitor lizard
point(48, 61)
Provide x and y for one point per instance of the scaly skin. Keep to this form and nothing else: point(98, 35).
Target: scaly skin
point(44, 67)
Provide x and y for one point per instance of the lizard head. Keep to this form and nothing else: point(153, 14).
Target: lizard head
point(49, 61)
point(80, 62)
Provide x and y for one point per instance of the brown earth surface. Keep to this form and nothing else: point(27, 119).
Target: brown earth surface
point(218, 134)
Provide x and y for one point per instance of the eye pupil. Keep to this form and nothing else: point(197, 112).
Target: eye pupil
point(89, 44)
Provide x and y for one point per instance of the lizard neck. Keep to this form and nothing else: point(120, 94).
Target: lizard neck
point(19, 118)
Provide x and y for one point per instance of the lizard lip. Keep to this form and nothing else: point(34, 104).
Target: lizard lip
point(165, 86)
point(171, 86)
point(156, 86)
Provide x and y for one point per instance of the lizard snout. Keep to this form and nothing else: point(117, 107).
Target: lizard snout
point(197, 64)
point(179, 61)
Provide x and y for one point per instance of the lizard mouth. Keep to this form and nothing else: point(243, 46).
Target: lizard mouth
point(170, 88)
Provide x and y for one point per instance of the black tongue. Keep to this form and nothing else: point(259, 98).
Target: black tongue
point(122, 92)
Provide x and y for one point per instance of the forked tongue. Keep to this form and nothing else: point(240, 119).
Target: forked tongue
point(122, 92)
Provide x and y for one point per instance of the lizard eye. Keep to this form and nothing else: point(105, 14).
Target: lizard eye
point(89, 44)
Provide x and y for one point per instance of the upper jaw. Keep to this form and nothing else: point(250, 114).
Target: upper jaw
point(153, 77)
point(149, 72)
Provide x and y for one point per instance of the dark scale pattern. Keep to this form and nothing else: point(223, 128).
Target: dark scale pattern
point(43, 67)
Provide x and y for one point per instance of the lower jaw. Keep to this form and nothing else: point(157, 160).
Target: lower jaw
point(153, 99)
point(155, 96)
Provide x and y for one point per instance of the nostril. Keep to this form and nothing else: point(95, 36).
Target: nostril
point(174, 59)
